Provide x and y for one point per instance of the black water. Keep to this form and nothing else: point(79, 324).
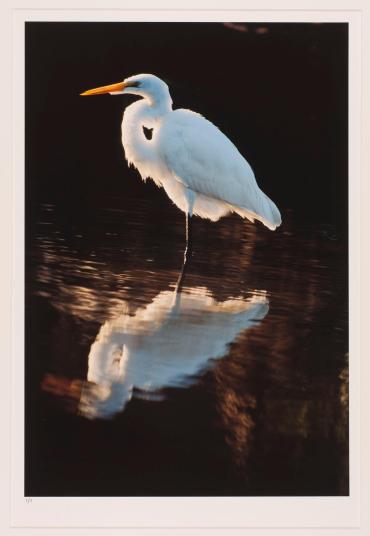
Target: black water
point(238, 385)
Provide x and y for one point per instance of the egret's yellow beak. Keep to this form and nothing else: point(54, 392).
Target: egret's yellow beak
point(105, 89)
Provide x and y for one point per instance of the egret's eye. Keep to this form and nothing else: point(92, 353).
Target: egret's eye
point(134, 83)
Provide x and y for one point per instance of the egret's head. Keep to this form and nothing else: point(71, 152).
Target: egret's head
point(147, 86)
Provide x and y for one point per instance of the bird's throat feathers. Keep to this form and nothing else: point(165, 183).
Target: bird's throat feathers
point(140, 151)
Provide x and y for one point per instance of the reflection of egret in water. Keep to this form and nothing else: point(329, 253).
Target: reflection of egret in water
point(251, 421)
point(165, 344)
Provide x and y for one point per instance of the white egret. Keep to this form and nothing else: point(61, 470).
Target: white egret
point(200, 169)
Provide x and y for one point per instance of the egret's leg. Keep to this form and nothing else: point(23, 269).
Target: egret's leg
point(189, 237)
point(187, 253)
point(190, 195)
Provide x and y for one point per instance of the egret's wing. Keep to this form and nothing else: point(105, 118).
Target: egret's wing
point(201, 157)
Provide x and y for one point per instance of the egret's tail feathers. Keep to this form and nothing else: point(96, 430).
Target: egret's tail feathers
point(267, 213)
point(213, 209)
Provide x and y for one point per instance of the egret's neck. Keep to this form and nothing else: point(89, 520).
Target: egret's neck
point(149, 112)
point(160, 103)
point(145, 113)
point(140, 151)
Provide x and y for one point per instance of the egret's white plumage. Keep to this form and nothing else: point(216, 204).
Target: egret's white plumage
point(200, 169)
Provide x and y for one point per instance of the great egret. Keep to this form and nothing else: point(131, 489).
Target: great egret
point(200, 169)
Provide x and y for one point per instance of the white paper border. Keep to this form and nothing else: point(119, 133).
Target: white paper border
point(176, 512)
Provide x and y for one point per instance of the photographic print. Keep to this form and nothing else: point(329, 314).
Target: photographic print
point(186, 259)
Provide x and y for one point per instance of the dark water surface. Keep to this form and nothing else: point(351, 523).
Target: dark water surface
point(235, 386)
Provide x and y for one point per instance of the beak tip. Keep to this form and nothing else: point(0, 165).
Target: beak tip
point(113, 88)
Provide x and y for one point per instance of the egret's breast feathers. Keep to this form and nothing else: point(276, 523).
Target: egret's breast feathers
point(139, 151)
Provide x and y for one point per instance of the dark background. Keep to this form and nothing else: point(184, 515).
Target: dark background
point(279, 91)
